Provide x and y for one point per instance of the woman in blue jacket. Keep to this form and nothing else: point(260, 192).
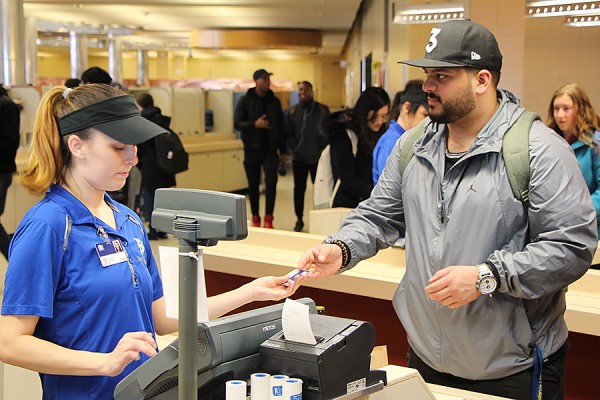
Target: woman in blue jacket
point(572, 116)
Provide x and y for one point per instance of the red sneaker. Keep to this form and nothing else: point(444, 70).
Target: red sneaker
point(256, 221)
point(268, 222)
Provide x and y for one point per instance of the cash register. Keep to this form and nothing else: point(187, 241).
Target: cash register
point(227, 348)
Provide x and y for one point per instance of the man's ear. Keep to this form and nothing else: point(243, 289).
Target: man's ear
point(76, 147)
point(483, 80)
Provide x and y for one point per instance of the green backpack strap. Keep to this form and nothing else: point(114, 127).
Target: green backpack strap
point(407, 152)
point(515, 151)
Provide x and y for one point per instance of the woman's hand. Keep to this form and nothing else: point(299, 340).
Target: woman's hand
point(127, 350)
point(273, 288)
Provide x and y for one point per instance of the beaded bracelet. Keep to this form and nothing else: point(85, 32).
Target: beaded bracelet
point(345, 251)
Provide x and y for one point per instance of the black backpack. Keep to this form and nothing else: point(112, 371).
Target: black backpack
point(171, 157)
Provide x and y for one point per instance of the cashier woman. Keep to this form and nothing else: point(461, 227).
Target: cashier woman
point(78, 308)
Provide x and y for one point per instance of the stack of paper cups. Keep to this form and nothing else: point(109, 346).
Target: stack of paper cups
point(276, 386)
point(235, 390)
point(259, 386)
point(292, 389)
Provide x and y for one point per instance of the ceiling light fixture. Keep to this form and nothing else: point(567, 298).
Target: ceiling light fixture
point(537, 9)
point(429, 13)
point(583, 21)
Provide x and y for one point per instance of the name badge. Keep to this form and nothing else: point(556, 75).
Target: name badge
point(111, 252)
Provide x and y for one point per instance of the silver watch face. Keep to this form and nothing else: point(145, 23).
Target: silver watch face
point(487, 285)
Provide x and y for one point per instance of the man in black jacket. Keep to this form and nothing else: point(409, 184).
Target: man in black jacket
point(10, 119)
point(305, 142)
point(258, 115)
point(153, 177)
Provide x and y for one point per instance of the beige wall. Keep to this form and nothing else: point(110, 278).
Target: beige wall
point(556, 55)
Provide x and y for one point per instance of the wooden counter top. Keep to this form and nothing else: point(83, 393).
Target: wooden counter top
point(211, 142)
point(276, 252)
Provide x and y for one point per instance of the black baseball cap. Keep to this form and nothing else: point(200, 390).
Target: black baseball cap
point(259, 73)
point(460, 43)
point(117, 117)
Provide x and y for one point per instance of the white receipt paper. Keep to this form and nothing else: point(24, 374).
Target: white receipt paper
point(296, 322)
point(169, 268)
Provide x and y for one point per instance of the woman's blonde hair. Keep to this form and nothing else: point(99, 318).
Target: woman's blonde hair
point(49, 155)
point(586, 121)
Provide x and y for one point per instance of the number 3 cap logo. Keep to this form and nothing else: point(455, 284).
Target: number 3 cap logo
point(432, 40)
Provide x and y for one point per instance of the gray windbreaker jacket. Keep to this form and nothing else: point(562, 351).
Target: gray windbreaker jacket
point(470, 215)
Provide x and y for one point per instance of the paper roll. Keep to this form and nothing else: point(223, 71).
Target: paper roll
point(292, 389)
point(259, 386)
point(235, 390)
point(276, 386)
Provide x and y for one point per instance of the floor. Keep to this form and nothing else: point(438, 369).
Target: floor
point(284, 214)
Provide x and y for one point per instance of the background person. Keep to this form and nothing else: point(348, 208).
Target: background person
point(10, 120)
point(409, 109)
point(572, 116)
point(368, 120)
point(95, 75)
point(258, 115)
point(306, 142)
point(482, 299)
point(153, 177)
point(81, 321)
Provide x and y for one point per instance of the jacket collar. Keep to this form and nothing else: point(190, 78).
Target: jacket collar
point(252, 92)
point(490, 136)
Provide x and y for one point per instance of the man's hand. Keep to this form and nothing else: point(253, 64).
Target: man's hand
point(262, 122)
point(454, 286)
point(322, 260)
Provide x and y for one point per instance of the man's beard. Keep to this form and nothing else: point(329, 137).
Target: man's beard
point(453, 110)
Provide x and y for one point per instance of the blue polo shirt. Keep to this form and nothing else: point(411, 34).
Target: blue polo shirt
point(384, 147)
point(55, 273)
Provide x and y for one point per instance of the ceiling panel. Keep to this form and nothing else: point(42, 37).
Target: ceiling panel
point(162, 20)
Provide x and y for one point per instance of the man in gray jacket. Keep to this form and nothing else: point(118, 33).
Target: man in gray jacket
point(483, 296)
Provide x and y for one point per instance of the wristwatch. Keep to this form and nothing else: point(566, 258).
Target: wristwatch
point(486, 283)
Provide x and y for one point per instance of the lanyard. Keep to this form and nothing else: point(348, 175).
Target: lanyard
point(536, 390)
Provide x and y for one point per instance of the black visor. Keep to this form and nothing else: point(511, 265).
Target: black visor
point(117, 117)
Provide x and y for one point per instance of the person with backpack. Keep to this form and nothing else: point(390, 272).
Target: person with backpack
point(408, 109)
point(482, 299)
point(572, 116)
point(83, 298)
point(352, 137)
point(153, 177)
point(10, 121)
point(306, 142)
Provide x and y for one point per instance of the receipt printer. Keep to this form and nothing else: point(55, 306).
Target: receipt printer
point(339, 364)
